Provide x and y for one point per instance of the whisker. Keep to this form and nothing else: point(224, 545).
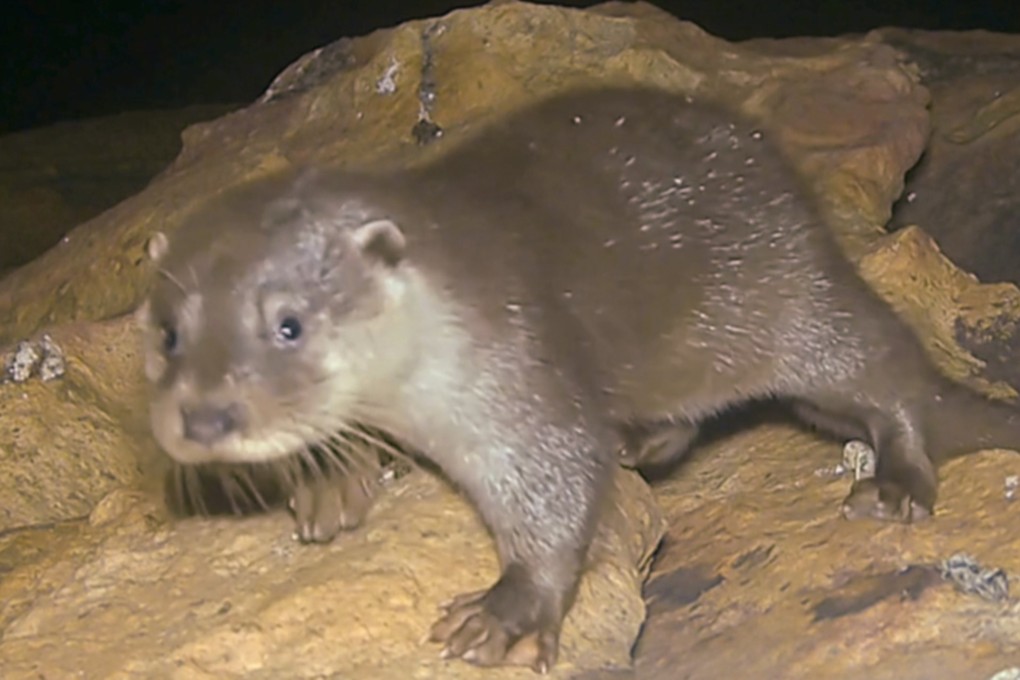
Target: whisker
point(231, 489)
point(336, 447)
point(311, 462)
point(249, 487)
point(192, 481)
point(172, 279)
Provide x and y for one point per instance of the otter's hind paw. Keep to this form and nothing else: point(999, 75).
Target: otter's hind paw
point(882, 500)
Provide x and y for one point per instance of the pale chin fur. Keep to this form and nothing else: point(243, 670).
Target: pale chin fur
point(234, 448)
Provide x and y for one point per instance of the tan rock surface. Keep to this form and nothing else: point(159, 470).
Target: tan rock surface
point(123, 595)
point(67, 442)
point(759, 577)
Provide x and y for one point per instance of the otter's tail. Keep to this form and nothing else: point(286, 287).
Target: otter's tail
point(962, 421)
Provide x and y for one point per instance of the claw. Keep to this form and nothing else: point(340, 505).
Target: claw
point(470, 629)
point(882, 500)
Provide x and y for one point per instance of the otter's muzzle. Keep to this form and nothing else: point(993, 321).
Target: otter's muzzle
point(208, 424)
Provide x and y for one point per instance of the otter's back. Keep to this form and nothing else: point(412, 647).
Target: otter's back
point(664, 238)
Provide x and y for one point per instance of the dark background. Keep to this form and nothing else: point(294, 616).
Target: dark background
point(82, 58)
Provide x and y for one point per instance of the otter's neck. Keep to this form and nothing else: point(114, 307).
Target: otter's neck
point(428, 405)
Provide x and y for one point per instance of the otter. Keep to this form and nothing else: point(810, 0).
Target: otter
point(604, 266)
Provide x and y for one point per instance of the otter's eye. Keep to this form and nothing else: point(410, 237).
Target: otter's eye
point(289, 329)
point(169, 339)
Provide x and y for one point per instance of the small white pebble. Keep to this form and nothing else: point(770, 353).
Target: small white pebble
point(387, 84)
point(964, 572)
point(43, 358)
point(53, 364)
point(859, 457)
point(1012, 485)
point(23, 362)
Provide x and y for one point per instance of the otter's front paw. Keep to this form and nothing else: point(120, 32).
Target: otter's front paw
point(509, 624)
point(325, 506)
point(882, 500)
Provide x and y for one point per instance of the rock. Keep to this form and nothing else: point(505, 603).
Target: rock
point(965, 192)
point(54, 178)
point(67, 442)
point(126, 595)
point(758, 577)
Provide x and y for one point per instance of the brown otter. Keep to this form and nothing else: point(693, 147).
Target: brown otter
point(602, 260)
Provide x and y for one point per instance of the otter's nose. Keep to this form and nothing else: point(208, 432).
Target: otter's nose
point(208, 424)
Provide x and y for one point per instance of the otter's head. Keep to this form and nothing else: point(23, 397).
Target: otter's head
point(276, 319)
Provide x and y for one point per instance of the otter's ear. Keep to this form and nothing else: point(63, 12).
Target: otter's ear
point(157, 246)
point(381, 240)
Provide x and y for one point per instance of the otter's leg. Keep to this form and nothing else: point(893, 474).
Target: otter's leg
point(329, 501)
point(540, 499)
point(833, 423)
point(905, 482)
point(655, 443)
